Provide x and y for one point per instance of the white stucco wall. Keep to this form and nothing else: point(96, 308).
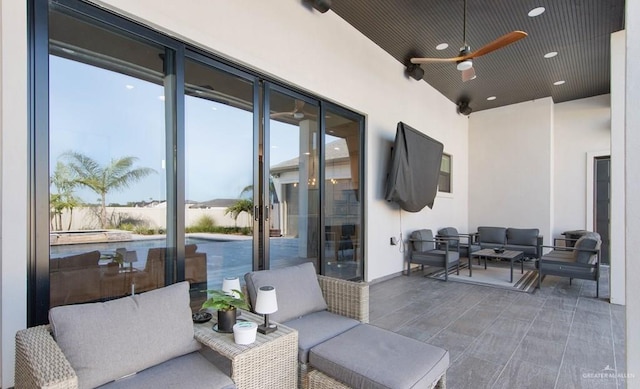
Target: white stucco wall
point(511, 166)
point(581, 127)
point(617, 232)
point(13, 180)
point(632, 189)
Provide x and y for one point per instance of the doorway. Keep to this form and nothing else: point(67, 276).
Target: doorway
point(602, 204)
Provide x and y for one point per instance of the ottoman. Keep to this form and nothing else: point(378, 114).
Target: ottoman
point(370, 357)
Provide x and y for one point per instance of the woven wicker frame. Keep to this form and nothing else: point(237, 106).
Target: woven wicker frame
point(40, 363)
point(318, 380)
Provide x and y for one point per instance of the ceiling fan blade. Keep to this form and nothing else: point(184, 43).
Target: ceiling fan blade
point(468, 75)
point(499, 43)
point(429, 60)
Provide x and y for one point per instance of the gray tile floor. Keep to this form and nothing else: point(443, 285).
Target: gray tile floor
point(558, 337)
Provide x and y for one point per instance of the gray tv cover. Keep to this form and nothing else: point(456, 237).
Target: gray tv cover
point(415, 168)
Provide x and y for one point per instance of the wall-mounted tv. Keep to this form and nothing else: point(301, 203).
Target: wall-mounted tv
point(412, 181)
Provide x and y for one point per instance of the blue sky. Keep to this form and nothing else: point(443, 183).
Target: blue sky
point(108, 115)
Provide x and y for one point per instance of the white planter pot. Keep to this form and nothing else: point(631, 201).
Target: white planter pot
point(244, 332)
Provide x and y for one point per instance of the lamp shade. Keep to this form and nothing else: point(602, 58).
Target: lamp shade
point(229, 284)
point(266, 301)
point(131, 256)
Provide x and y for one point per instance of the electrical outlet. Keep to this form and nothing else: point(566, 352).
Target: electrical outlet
point(393, 241)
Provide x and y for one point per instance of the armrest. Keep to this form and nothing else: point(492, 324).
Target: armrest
point(346, 298)
point(39, 361)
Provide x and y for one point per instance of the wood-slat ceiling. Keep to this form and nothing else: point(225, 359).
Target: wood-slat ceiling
point(579, 30)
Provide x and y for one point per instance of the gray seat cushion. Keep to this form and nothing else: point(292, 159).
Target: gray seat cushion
point(297, 290)
point(529, 251)
point(495, 235)
point(188, 371)
point(435, 257)
point(107, 341)
point(371, 357)
point(316, 328)
point(565, 266)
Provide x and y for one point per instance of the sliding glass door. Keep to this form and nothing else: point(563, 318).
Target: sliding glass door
point(293, 178)
point(219, 158)
point(155, 162)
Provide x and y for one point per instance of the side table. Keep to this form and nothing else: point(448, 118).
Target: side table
point(269, 362)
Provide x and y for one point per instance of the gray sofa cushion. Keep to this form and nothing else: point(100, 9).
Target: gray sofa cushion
point(296, 285)
point(422, 235)
point(523, 236)
point(496, 235)
point(370, 357)
point(316, 328)
point(529, 251)
point(188, 371)
point(107, 341)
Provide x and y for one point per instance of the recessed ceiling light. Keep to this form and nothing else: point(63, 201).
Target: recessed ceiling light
point(214, 108)
point(129, 86)
point(336, 148)
point(442, 46)
point(551, 54)
point(491, 98)
point(161, 98)
point(536, 12)
point(559, 82)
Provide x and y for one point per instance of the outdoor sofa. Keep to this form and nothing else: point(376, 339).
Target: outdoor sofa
point(337, 349)
point(527, 240)
point(141, 341)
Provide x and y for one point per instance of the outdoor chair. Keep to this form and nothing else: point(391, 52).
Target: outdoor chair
point(581, 261)
point(424, 250)
point(456, 240)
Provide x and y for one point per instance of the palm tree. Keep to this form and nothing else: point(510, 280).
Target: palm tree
point(118, 174)
point(62, 179)
point(242, 205)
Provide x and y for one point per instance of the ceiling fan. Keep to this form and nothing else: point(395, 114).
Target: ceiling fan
point(465, 59)
point(297, 113)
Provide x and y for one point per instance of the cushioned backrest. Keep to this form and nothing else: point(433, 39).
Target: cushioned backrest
point(106, 341)
point(422, 235)
point(492, 235)
point(590, 242)
point(523, 236)
point(78, 261)
point(297, 290)
point(449, 232)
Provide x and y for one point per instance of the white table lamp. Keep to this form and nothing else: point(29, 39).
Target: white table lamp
point(231, 284)
point(266, 304)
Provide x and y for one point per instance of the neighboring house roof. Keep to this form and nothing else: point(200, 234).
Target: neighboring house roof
point(215, 203)
point(333, 150)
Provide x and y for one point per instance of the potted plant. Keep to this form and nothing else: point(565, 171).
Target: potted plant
point(226, 305)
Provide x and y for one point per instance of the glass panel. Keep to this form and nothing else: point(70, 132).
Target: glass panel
point(219, 177)
point(343, 206)
point(444, 180)
point(107, 147)
point(293, 186)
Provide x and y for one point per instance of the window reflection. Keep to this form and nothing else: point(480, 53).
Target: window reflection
point(107, 178)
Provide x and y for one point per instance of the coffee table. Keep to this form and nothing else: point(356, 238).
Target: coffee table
point(270, 362)
point(511, 255)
